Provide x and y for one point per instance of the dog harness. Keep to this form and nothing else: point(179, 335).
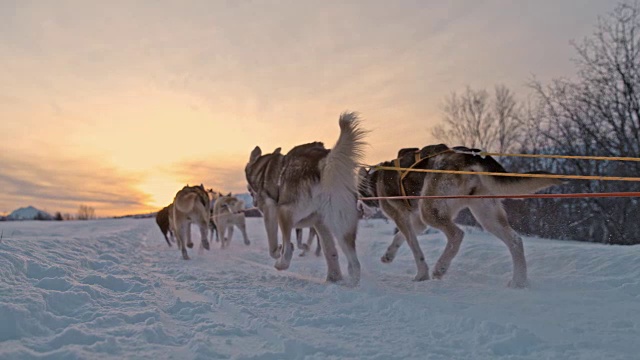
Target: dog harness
point(403, 172)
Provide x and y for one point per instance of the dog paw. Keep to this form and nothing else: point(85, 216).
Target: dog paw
point(421, 277)
point(334, 277)
point(247, 242)
point(205, 245)
point(521, 284)
point(190, 245)
point(386, 258)
point(438, 274)
point(281, 265)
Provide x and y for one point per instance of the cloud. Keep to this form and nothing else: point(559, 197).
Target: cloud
point(57, 184)
point(219, 176)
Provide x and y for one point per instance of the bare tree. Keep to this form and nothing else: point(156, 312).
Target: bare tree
point(475, 119)
point(599, 114)
point(86, 212)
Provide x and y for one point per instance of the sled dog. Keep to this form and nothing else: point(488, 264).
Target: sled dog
point(190, 205)
point(311, 186)
point(228, 211)
point(162, 219)
point(413, 216)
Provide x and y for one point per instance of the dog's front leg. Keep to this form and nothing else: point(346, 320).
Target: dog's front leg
point(222, 229)
point(284, 219)
point(406, 228)
point(230, 233)
point(243, 229)
point(271, 225)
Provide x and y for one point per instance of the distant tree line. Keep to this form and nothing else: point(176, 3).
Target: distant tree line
point(595, 113)
point(86, 212)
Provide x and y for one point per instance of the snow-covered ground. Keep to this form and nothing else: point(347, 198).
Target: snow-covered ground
point(113, 289)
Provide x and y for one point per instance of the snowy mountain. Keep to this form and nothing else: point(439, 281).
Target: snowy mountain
point(248, 200)
point(113, 289)
point(29, 213)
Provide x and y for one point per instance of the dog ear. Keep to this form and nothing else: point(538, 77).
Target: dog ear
point(229, 194)
point(277, 151)
point(255, 154)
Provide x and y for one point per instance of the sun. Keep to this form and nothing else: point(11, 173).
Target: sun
point(162, 189)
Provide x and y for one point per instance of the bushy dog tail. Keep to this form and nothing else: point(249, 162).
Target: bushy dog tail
point(185, 202)
point(339, 176)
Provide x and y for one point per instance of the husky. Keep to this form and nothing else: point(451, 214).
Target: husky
point(228, 211)
point(413, 216)
point(307, 246)
point(213, 196)
point(311, 186)
point(162, 219)
point(190, 205)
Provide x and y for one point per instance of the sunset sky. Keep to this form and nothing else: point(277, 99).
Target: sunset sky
point(118, 104)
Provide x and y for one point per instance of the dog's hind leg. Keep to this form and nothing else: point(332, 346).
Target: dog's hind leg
point(188, 236)
point(348, 244)
point(212, 228)
point(330, 253)
point(312, 235)
point(491, 215)
point(299, 243)
point(181, 235)
point(318, 247)
point(307, 246)
point(204, 236)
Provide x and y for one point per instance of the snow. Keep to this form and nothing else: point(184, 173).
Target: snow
point(113, 289)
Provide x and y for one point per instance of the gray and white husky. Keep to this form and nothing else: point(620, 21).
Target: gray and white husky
point(311, 186)
point(413, 216)
point(227, 214)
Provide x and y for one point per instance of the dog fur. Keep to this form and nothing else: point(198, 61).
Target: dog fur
point(311, 186)
point(162, 219)
point(190, 206)
point(413, 216)
point(227, 213)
